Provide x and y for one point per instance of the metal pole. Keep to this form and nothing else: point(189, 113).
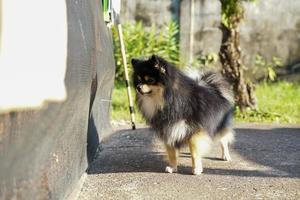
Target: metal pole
point(192, 13)
point(131, 108)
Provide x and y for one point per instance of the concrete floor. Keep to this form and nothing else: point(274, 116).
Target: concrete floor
point(265, 165)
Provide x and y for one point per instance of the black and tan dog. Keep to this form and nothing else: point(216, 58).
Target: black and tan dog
point(184, 109)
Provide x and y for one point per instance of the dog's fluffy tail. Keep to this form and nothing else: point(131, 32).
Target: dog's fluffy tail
point(214, 80)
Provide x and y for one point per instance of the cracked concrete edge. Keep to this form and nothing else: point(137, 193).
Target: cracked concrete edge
point(74, 192)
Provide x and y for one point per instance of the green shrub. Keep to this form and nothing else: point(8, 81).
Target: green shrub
point(141, 41)
point(268, 68)
point(205, 61)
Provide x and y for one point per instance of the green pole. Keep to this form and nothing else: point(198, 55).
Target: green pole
point(105, 4)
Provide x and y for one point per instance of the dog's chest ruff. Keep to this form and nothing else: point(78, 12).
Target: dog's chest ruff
point(149, 105)
point(175, 133)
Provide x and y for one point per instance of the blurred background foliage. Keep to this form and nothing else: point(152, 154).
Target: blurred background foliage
point(142, 41)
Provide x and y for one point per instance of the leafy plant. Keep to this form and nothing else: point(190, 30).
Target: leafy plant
point(259, 115)
point(268, 68)
point(232, 12)
point(142, 41)
point(205, 60)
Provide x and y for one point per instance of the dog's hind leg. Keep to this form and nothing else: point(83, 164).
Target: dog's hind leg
point(172, 155)
point(226, 138)
point(225, 151)
point(199, 145)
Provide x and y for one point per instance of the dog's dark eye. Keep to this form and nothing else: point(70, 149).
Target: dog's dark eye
point(151, 80)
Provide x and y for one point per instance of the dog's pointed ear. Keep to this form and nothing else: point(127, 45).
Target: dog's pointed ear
point(134, 61)
point(157, 64)
point(154, 59)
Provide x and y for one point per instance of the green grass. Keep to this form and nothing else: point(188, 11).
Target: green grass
point(277, 103)
point(120, 105)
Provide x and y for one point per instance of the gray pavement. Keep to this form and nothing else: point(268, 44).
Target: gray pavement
point(265, 165)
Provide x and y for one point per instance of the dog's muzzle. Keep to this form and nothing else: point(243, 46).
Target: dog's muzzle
point(142, 89)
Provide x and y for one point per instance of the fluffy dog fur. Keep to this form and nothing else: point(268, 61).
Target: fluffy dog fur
point(184, 109)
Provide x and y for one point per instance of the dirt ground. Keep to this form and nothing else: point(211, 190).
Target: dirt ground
point(265, 165)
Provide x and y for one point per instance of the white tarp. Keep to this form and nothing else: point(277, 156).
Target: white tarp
point(33, 52)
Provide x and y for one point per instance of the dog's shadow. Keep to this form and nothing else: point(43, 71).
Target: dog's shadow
point(129, 151)
point(132, 151)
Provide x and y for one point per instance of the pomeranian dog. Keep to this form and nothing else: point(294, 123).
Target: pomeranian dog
point(184, 109)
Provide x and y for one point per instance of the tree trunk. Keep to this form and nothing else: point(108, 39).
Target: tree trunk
point(232, 68)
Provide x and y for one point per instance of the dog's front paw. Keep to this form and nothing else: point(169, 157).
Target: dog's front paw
point(171, 169)
point(226, 157)
point(197, 171)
